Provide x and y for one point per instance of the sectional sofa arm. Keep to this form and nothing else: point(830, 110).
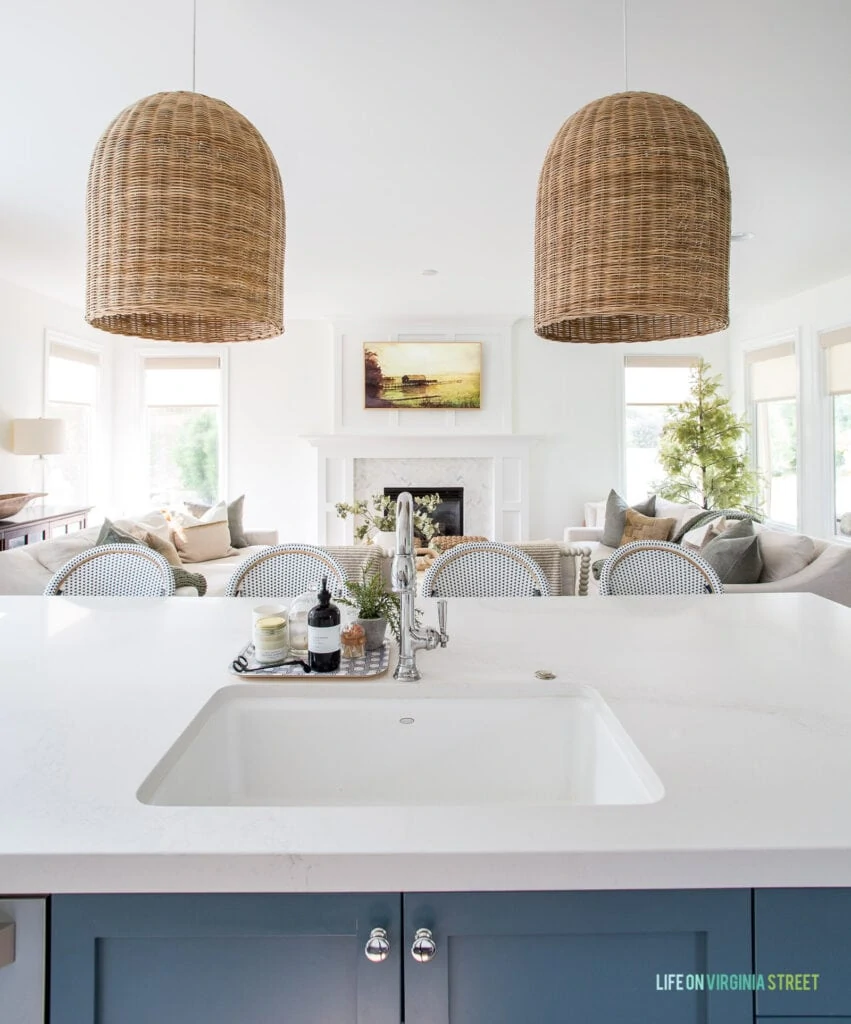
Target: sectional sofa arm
point(586, 534)
point(261, 538)
point(828, 575)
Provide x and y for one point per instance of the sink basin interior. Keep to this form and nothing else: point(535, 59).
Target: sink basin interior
point(254, 746)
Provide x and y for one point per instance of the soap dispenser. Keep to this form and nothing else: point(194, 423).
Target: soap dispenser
point(323, 633)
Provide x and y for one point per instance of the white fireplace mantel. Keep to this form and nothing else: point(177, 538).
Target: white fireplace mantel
point(507, 455)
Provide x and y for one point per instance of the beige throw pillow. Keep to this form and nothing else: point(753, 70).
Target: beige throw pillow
point(215, 514)
point(152, 522)
point(164, 548)
point(639, 527)
point(783, 554)
point(680, 512)
point(203, 543)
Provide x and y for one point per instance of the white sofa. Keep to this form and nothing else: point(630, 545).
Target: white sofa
point(828, 573)
point(28, 569)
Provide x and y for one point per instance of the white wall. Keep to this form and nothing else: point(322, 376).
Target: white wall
point(278, 390)
point(24, 318)
point(799, 317)
point(572, 396)
point(495, 415)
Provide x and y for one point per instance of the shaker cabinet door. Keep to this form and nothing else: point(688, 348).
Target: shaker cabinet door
point(222, 959)
point(576, 958)
point(803, 932)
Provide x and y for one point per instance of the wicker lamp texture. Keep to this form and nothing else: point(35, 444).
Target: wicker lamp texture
point(185, 224)
point(632, 225)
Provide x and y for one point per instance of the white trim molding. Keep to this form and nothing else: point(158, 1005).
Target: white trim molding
point(508, 456)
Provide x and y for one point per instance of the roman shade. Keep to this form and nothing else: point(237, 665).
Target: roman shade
point(657, 380)
point(772, 373)
point(837, 346)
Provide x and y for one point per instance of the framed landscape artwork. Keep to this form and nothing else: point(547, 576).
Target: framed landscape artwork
point(422, 374)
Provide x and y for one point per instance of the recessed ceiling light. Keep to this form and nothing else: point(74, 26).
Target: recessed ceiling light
point(742, 236)
point(429, 273)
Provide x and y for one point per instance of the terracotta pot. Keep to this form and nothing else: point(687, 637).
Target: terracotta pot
point(375, 630)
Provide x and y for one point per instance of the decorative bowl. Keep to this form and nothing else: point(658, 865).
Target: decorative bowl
point(11, 504)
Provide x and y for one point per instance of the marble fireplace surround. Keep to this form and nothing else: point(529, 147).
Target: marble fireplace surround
point(492, 469)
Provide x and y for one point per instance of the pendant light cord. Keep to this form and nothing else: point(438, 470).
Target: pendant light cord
point(195, 34)
point(625, 52)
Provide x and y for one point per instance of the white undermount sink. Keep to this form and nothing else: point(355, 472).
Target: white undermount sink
point(252, 745)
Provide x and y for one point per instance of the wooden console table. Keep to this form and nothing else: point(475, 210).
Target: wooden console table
point(41, 522)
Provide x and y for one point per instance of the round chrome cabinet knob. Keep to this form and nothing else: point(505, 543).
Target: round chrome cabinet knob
point(377, 947)
point(424, 948)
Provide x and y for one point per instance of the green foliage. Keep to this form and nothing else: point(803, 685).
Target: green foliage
point(842, 430)
point(701, 449)
point(371, 598)
point(782, 436)
point(379, 513)
point(643, 425)
point(373, 375)
point(196, 455)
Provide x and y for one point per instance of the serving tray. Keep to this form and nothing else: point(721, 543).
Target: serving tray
point(374, 663)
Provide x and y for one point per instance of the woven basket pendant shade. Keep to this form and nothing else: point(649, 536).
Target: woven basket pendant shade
point(185, 225)
point(632, 225)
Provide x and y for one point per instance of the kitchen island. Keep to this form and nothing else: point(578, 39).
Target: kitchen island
point(725, 860)
point(741, 706)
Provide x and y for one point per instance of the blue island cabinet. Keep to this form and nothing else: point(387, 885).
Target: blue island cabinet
point(455, 958)
point(804, 935)
point(577, 958)
point(222, 959)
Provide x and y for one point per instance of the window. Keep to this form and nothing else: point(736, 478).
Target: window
point(183, 428)
point(652, 386)
point(72, 386)
point(837, 356)
point(772, 389)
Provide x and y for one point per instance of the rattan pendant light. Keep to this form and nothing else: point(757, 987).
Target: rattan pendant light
point(185, 224)
point(632, 225)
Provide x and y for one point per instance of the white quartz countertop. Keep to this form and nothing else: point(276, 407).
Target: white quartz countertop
point(741, 704)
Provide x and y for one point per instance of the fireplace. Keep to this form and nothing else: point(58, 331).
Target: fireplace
point(449, 514)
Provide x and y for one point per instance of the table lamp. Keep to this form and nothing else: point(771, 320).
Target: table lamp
point(39, 437)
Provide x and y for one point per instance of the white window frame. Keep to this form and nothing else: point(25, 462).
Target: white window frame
point(690, 359)
point(749, 351)
point(183, 352)
point(827, 435)
point(98, 478)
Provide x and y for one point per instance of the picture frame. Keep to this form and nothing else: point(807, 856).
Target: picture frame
point(422, 374)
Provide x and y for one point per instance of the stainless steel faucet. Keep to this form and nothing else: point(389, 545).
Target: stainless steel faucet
point(403, 575)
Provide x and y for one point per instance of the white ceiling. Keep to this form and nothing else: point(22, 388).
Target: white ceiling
point(410, 134)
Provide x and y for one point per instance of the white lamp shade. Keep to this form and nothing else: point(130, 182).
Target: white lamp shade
point(38, 437)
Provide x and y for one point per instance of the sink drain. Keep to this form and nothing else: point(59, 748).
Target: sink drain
point(406, 721)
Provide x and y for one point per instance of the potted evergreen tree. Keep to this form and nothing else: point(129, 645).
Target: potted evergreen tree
point(702, 449)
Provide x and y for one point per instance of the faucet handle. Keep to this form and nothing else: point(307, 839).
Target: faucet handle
point(441, 621)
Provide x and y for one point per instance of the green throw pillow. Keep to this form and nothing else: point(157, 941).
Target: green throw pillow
point(235, 513)
point(616, 517)
point(112, 534)
point(735, 554)
point(182, 578)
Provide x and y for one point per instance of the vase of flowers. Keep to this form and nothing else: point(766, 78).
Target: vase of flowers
point(376, 518)
point(386, 540)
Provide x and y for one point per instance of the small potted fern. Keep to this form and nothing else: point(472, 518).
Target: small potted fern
point(376, 606)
